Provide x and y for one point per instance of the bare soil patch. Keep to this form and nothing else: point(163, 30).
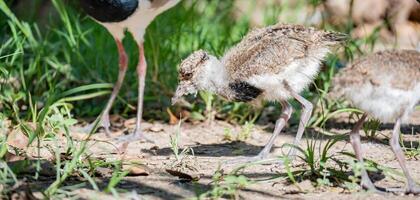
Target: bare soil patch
point(151, 180)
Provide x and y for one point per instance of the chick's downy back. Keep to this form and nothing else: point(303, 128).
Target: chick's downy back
point(272, 49)
point(385, 84)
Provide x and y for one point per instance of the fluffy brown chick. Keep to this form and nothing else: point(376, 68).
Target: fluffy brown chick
point(386, 85)
point(274, 63)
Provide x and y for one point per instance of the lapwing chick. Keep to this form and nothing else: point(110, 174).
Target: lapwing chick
point(274, 63)
point(386, 86)
point(118, 16)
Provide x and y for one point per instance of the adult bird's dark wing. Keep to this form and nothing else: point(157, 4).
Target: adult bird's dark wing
point(109, 10)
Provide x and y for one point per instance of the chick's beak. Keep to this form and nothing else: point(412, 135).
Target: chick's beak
point(184, 88)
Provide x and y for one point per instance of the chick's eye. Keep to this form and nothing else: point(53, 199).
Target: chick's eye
point(187, 75)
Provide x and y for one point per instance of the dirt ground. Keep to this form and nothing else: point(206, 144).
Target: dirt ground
point(211, 150)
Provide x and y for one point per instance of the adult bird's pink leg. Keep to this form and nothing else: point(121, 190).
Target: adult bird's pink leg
point(304, 119)
point(123, 61)
point(280, 123)
point(141, 74)
point(355, 142)
point(396, 148)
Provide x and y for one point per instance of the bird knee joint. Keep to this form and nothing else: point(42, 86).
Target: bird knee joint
point(123, 62)
point(141, 72)
point(394, 142)
point(141, 69)
point(285, 116)
point(308, 106)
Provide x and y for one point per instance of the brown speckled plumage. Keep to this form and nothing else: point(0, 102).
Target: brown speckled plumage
point(386, 86)
point(272, 49)
point(195, 58)
point(274, 63)
point(402, 65)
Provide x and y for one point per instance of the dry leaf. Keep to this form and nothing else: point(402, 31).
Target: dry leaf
point(172, 118)
point(183, 175)
point(116, 120)
point(9, 157)
point(185, 114)
point(17, 139)
point(130, 123)
point(136, 170)
point(156, 128)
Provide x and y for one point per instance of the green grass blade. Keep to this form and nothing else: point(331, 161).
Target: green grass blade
point(90, 179)
point(85, 96)
point(22, 26)
point(87, 88)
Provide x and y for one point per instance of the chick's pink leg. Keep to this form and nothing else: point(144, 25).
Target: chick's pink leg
point(280, 123)
point(396, 148)
point(304, 119)
point(355, 142)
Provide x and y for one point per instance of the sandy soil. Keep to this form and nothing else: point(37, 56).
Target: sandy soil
point(211, 150)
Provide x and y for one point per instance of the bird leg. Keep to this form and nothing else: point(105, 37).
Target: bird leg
point(280, 123)
point(104, 117)
point(396, 148)
point(355, 142)
point(141, 73)
point(304, 119)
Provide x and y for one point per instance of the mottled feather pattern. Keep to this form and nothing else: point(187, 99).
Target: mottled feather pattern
point(335, 37)
point(402, 65)
point(261, 63)
point(188, 65)
point(385, 84)
point(271, 49)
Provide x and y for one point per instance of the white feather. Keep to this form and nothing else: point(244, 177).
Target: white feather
point(384, 102)
point(138, 21)
point(214, 76)
point(298, 75)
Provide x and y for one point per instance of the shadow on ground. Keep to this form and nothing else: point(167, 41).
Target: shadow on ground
point(229, 149)
point(146, 186)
